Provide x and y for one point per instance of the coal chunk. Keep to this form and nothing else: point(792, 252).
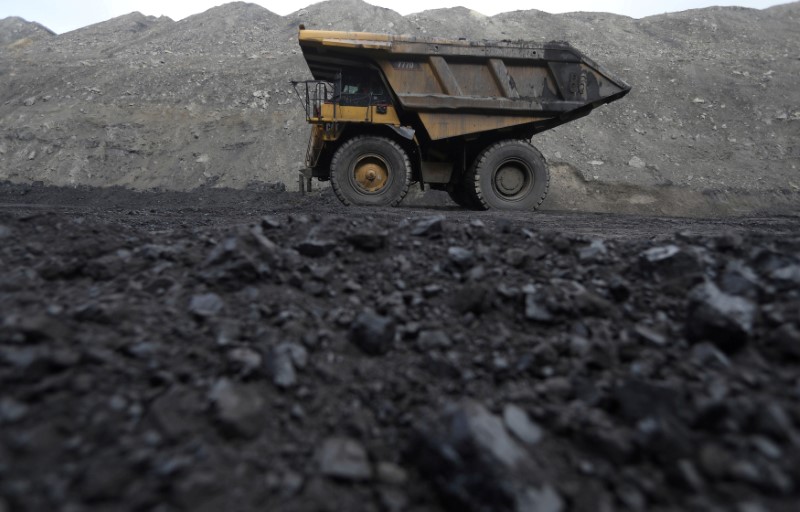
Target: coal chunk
point(369, 241)
point(282, 362)
point(476, 464)
point(239, 408)
point(518, 423)
point(176, 411)
point(315, 248)
point(713, 315)
point(344, 458)
point(206, 305)
point(428, 227)
point(536, 307)
point(373, 333)
point(670, 261)
point(461, 257)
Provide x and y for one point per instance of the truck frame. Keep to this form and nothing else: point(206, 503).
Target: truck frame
point(455, 115)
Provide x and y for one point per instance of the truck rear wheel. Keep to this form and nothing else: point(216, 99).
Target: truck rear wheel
point(510, 175)
point(370, 171)
point(464, 195)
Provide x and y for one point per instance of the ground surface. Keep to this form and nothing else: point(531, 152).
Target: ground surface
point(258, 350)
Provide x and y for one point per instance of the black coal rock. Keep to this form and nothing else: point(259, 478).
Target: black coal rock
point(239, 408)
point(373, 333)
point(477, 465)
point(206, 305)
point(344, 458)
point(713, 315)
point(369, 241)
point(429, 227)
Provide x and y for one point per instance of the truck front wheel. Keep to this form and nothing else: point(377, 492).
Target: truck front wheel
point(370, 171)
point(510, 175)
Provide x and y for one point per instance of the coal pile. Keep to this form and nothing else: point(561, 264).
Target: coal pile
point(165, 353)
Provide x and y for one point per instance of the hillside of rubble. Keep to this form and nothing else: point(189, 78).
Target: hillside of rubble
point(146, 102)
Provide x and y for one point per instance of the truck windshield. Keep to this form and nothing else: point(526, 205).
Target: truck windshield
point(360, 88)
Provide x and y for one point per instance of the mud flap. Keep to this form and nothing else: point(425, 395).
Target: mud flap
point(304, 179)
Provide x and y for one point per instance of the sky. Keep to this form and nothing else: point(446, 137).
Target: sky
point(63, 16)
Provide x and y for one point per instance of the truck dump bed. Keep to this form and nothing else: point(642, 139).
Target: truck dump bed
point(457, 87)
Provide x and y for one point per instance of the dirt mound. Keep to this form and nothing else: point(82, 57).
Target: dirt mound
point(16, 32)
point(145, 102)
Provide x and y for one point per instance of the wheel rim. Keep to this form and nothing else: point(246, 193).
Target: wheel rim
point(513, 179)
point(371, 174)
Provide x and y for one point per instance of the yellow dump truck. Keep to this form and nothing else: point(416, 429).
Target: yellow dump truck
point(455, 115)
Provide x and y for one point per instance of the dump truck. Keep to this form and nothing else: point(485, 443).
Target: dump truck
point(387, 111)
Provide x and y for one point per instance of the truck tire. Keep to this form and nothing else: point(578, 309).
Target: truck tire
point(464, 195)
point(370, 171)
point(510, 175)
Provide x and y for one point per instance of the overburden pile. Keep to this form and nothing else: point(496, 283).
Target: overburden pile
point(147, 102)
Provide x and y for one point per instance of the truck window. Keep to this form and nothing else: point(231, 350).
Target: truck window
point(362, 89)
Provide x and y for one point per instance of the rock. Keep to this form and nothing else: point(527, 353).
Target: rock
point(270, 222)
point(227, 331)
point(773, 421)
point(29, 102)
point(517, 421)
point(315, 248)
point(245, 360)
point(536, 307)
point(105, 478)
point(462, 258)
point(669, 262)
point(784, 342)
point(433, 340)
point(739, 279)
point(707, 355)
point(197, 490)
point(650, 335)
point(11, 411)
point(636, 163)
point(206, 305)
point(239, 408)
point(751, 506)
point(176, 411)
point(637, 400)
point(287, 483)
point(473, 298)
point(373, 333)
point(41, 328)
point(787, 277)
point(369, 241)
point(429, 227)
point(713, 315)
point(714, 461)
point(595, 251)
point(767, 448)
point(619, 288)
point(690, 475)
point(344, 458)
point(515, 257)
point(282, 362)
point(392, 499)
point(470, 457)
point(392, 474)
